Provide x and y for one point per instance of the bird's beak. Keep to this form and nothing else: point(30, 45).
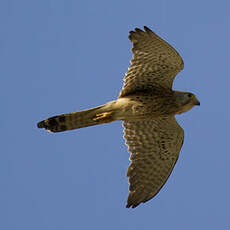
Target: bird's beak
point(197, 102)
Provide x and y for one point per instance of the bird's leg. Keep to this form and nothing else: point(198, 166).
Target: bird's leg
point(103, 117)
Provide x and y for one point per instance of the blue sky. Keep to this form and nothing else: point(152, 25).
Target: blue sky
point(62, 56)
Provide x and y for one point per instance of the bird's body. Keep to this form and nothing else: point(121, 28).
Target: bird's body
point(147, 106)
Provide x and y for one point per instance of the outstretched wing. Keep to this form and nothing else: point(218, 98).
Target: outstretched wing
point(154, 146)
point(154, 63)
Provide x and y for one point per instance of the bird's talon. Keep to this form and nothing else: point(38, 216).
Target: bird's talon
point(103, 117)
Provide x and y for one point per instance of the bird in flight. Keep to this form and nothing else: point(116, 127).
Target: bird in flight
point(147, 106)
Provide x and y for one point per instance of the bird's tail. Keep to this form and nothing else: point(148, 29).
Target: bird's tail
point(98, 115)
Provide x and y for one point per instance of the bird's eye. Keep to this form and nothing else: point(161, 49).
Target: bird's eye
point(189, 95)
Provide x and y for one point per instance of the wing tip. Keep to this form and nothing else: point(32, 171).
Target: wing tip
point(134, 199)
point(131, 205)
point(147, 29)
point(138, 31)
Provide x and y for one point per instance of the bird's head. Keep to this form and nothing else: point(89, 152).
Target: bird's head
point(185, 101)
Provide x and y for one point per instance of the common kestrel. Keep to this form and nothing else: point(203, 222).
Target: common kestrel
point(147, 106)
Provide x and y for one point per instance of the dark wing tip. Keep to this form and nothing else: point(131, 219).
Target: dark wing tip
point(134, 203)
point(131, 205)
point(133, 200)
point(147, 29)
point(138, 30)
point(134, 34)
point(131, 35)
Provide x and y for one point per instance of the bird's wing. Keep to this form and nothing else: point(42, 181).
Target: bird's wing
point(154, 146)
point(154, 63)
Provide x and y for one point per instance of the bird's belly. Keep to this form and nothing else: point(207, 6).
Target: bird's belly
point(129, 109)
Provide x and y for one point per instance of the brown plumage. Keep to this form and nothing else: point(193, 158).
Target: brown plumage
point(147, 106)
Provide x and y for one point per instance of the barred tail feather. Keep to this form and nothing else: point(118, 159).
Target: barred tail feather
point(76, 120)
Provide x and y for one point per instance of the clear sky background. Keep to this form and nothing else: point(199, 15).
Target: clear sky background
point(59, 56)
